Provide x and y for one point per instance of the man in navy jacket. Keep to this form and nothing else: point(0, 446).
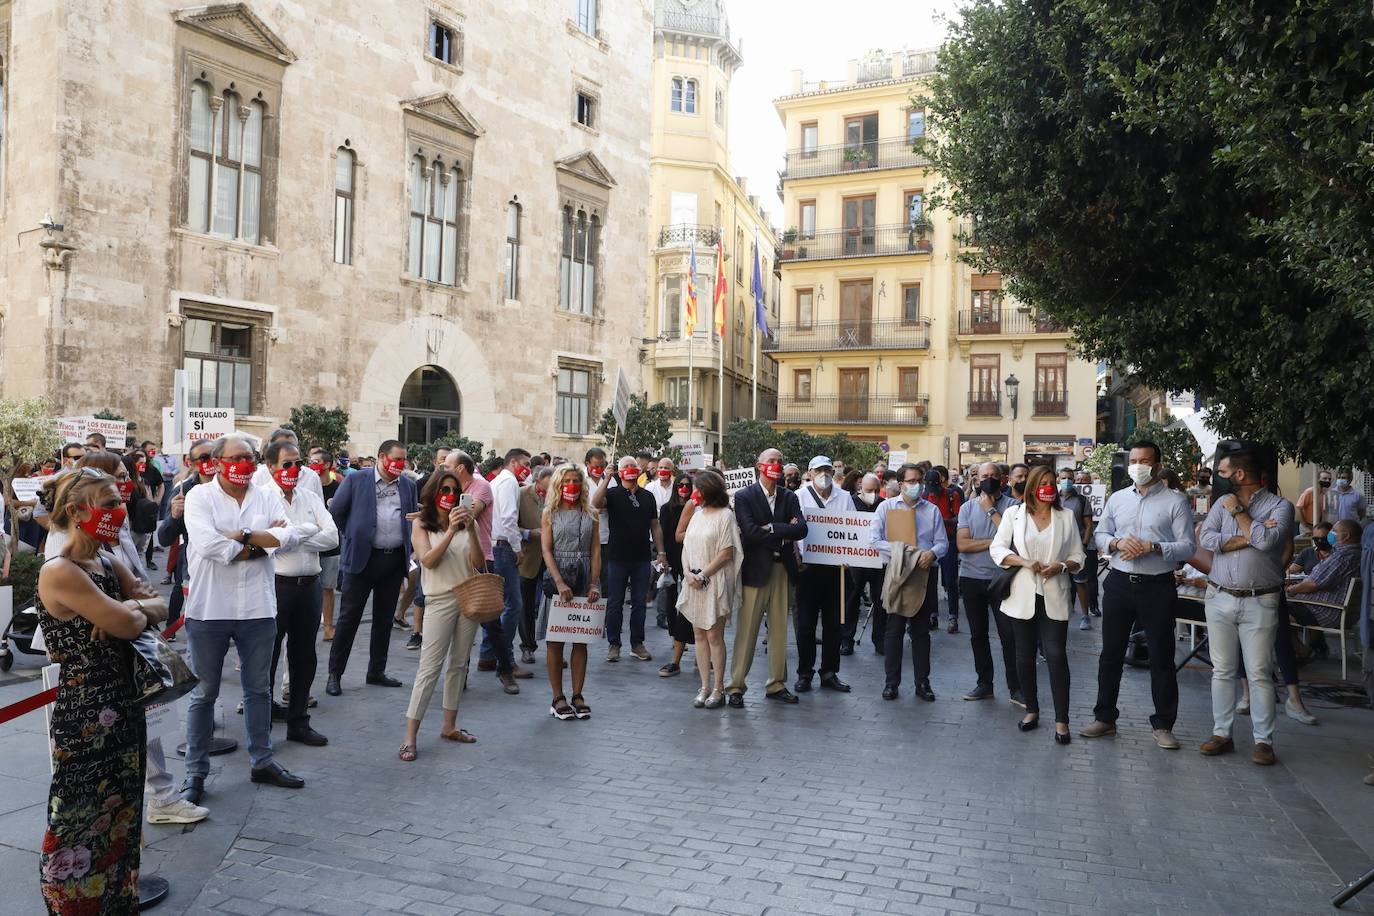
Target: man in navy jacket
point(370, 509)
point(770, 523)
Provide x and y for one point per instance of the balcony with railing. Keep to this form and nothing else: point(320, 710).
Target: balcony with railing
point(984, 404)
point(683, 235)
point(845, 409)
point(1007, 321)
point(696, 24)
point(967, 234)
point(858, 242)
point(870, 156)
point(879, 334)
point(1052, 402)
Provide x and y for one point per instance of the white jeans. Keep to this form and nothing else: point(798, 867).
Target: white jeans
point(1245, 627)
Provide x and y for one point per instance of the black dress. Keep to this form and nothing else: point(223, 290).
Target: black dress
point(90, 853)
point(678, 626)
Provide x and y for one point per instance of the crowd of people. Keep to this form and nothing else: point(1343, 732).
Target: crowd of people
point(260, 536)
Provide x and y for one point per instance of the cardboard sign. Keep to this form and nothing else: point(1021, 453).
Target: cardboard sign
point(116, 432)
point(72, 429)
point(26, 488)
point(840, 538)
point(1095, 494)
point(578, 620)
point(738, 478)
point(901, 526)
point(202, 423)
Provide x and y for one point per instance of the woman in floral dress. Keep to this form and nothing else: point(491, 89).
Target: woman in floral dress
point(90, 851)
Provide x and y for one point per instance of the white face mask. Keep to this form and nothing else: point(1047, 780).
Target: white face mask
point(823, 482)
point(913, 491)
point(1342, 483)
point(1140, 473)
point(868, 496)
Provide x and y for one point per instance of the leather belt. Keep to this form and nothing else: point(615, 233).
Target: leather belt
point(1144, 578)
point(387, 550)
point(298, 580)
point(1246, 592)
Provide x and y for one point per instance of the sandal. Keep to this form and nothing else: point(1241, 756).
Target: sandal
point(407, 753)
point(462, 736)
point(580, 707)
point(560, 709)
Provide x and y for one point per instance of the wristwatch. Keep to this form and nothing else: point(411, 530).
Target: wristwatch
point(247, 533)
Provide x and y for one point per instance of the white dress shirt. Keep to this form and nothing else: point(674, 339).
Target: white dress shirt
point(220, 587)
point(663, 492)
point(305, 509)
point(505, 493)
point(838, 500)
point(309, 480)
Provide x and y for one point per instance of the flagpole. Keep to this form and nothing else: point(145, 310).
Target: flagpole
point(693, 316)
point(756, 370)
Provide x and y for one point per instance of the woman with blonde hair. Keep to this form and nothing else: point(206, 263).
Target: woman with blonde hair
point(1041, 538)
point(711, 561)
point(90, 606)
point(571, 542)
point(448, 552)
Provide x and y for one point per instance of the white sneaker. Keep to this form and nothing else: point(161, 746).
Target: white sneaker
point(1299, 714)
point(178, 812)
point(1242, 707)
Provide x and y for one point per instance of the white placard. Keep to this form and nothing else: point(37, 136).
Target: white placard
point(164, 720)
point(840, 538)
point(202, 423)
point(1096, 494)
point(895, 460)
point(621, 408)
point(26, 488)
point(738, 478)
point(116, 432)
point(693, 456)
point(72, 429)
point(578, 620)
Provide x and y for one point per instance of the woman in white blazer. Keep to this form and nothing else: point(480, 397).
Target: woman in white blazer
point(1041, 538)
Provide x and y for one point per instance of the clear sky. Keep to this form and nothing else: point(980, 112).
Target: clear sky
point(818, 37)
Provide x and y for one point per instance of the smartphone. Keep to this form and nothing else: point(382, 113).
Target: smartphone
point(465, 501)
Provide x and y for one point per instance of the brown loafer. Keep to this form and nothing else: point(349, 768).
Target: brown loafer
point(508, 683)
point(1218, 745)
point(1098, 730)
point(521, 673)
point(1263, 755)
point(486, 664)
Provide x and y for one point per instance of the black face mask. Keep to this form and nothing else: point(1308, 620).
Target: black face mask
point(1019, 488)
point(793, 483)
point(1326, 483)
point(992, 487)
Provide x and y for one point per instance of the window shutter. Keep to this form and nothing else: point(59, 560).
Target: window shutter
point(257, 398)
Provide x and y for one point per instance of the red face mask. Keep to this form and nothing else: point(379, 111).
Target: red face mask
point(1046, 493)
point(104, 524)
point(394, 466)
point(684, 492)
point(697, 498)
point(596, 472)
point(207, 467)
point(521, 472)
point(446, 501)
point(772, 471)
point(665, 475)
point(152, 453)
point(238, 473)
point(629, 474)
point(142, 466)
point(571, 491)
point(542, 493)
point(319, 468)
point(287, 478)
point(125, 488)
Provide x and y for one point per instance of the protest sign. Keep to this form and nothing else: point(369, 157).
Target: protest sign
point(72, 429)
point(202, 423)
point(577, 620)
point(116, 432)
point(693, 456)
point(839, 538)
point(1095, 494)
point(737, 479)
point(26, 488)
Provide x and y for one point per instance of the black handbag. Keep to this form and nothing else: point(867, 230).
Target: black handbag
point(573, 577)
point(158, 674)
point(999, 589)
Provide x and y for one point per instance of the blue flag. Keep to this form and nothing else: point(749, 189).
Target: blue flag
point(756, 287)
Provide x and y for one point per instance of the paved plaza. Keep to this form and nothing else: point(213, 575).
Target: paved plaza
point(844, 804)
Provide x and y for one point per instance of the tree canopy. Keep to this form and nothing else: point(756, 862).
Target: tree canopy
point(745, 440)
point(318, 426)
point(1187, 186)
point(647, 427)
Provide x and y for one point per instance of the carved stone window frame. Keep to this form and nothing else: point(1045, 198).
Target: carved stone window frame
point(438, 129)
point(584, 184)
point(454, 22)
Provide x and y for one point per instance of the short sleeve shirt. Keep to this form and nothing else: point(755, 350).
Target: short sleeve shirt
point(1076, 504)
point(630, 515)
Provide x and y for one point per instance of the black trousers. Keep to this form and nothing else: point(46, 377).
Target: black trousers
point(978, 608)
point(818, 598)
point(381, 579)
point(859, 577)
point(1053, 637)
point(919, 628)
point(529, 610)
point(300, 602)
point(1149, 600)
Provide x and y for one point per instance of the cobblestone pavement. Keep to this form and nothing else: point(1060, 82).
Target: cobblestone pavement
point(843, 804)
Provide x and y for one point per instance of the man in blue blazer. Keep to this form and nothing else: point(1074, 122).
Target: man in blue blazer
point(370, 508)
point(770, 523)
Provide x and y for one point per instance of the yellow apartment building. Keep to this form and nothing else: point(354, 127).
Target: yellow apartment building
point(885, 333)
point(694, 201)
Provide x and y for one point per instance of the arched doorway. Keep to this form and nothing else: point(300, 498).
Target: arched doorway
point(429, 405)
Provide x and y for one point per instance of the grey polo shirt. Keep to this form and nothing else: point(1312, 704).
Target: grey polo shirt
point(972, 516)
point(1259, 564)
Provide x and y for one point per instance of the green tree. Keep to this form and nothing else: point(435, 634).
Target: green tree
point(423, 452)
point(647, 427)
point(1116, 155)
point(27, 436)
point(318, 426)
point(1178, 449)
point(1101, 461)
point(745, 440)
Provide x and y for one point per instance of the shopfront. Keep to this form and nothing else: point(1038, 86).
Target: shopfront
point(977, 449)
point(1052, 451)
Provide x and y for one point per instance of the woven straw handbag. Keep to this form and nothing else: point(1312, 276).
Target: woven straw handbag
point(481, 597)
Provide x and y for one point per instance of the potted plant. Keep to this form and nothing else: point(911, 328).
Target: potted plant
point(917, 233)
point(789, 238)
point(857, 157)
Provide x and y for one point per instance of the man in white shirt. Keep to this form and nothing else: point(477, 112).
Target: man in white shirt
point(300, 595)
point(818, 587)
point(662, 484)
point(506, 544)
point(262, 477)
point(233, 528)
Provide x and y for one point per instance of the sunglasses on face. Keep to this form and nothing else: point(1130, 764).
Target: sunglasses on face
point(288, 465)
point(451, 491)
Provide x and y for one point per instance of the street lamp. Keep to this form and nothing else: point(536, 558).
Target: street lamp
point(1011, 385)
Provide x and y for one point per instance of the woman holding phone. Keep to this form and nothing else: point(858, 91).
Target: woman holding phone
point(570, 538)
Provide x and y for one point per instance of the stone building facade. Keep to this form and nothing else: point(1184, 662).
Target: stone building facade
point(429, 212)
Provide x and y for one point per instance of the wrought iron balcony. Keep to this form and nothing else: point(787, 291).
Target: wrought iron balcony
point(1051, 403)
point(880, 334)
point(984, 404)
point(873, 155)
point(1006, 321)
point(859, 242)
point(844, 409)
point(684, 234)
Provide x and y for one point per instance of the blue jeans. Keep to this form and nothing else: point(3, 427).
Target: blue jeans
point(636, 575)
point(504, 565)
point(209, 640)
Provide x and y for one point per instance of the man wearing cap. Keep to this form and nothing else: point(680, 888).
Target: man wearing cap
point(818, 586)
